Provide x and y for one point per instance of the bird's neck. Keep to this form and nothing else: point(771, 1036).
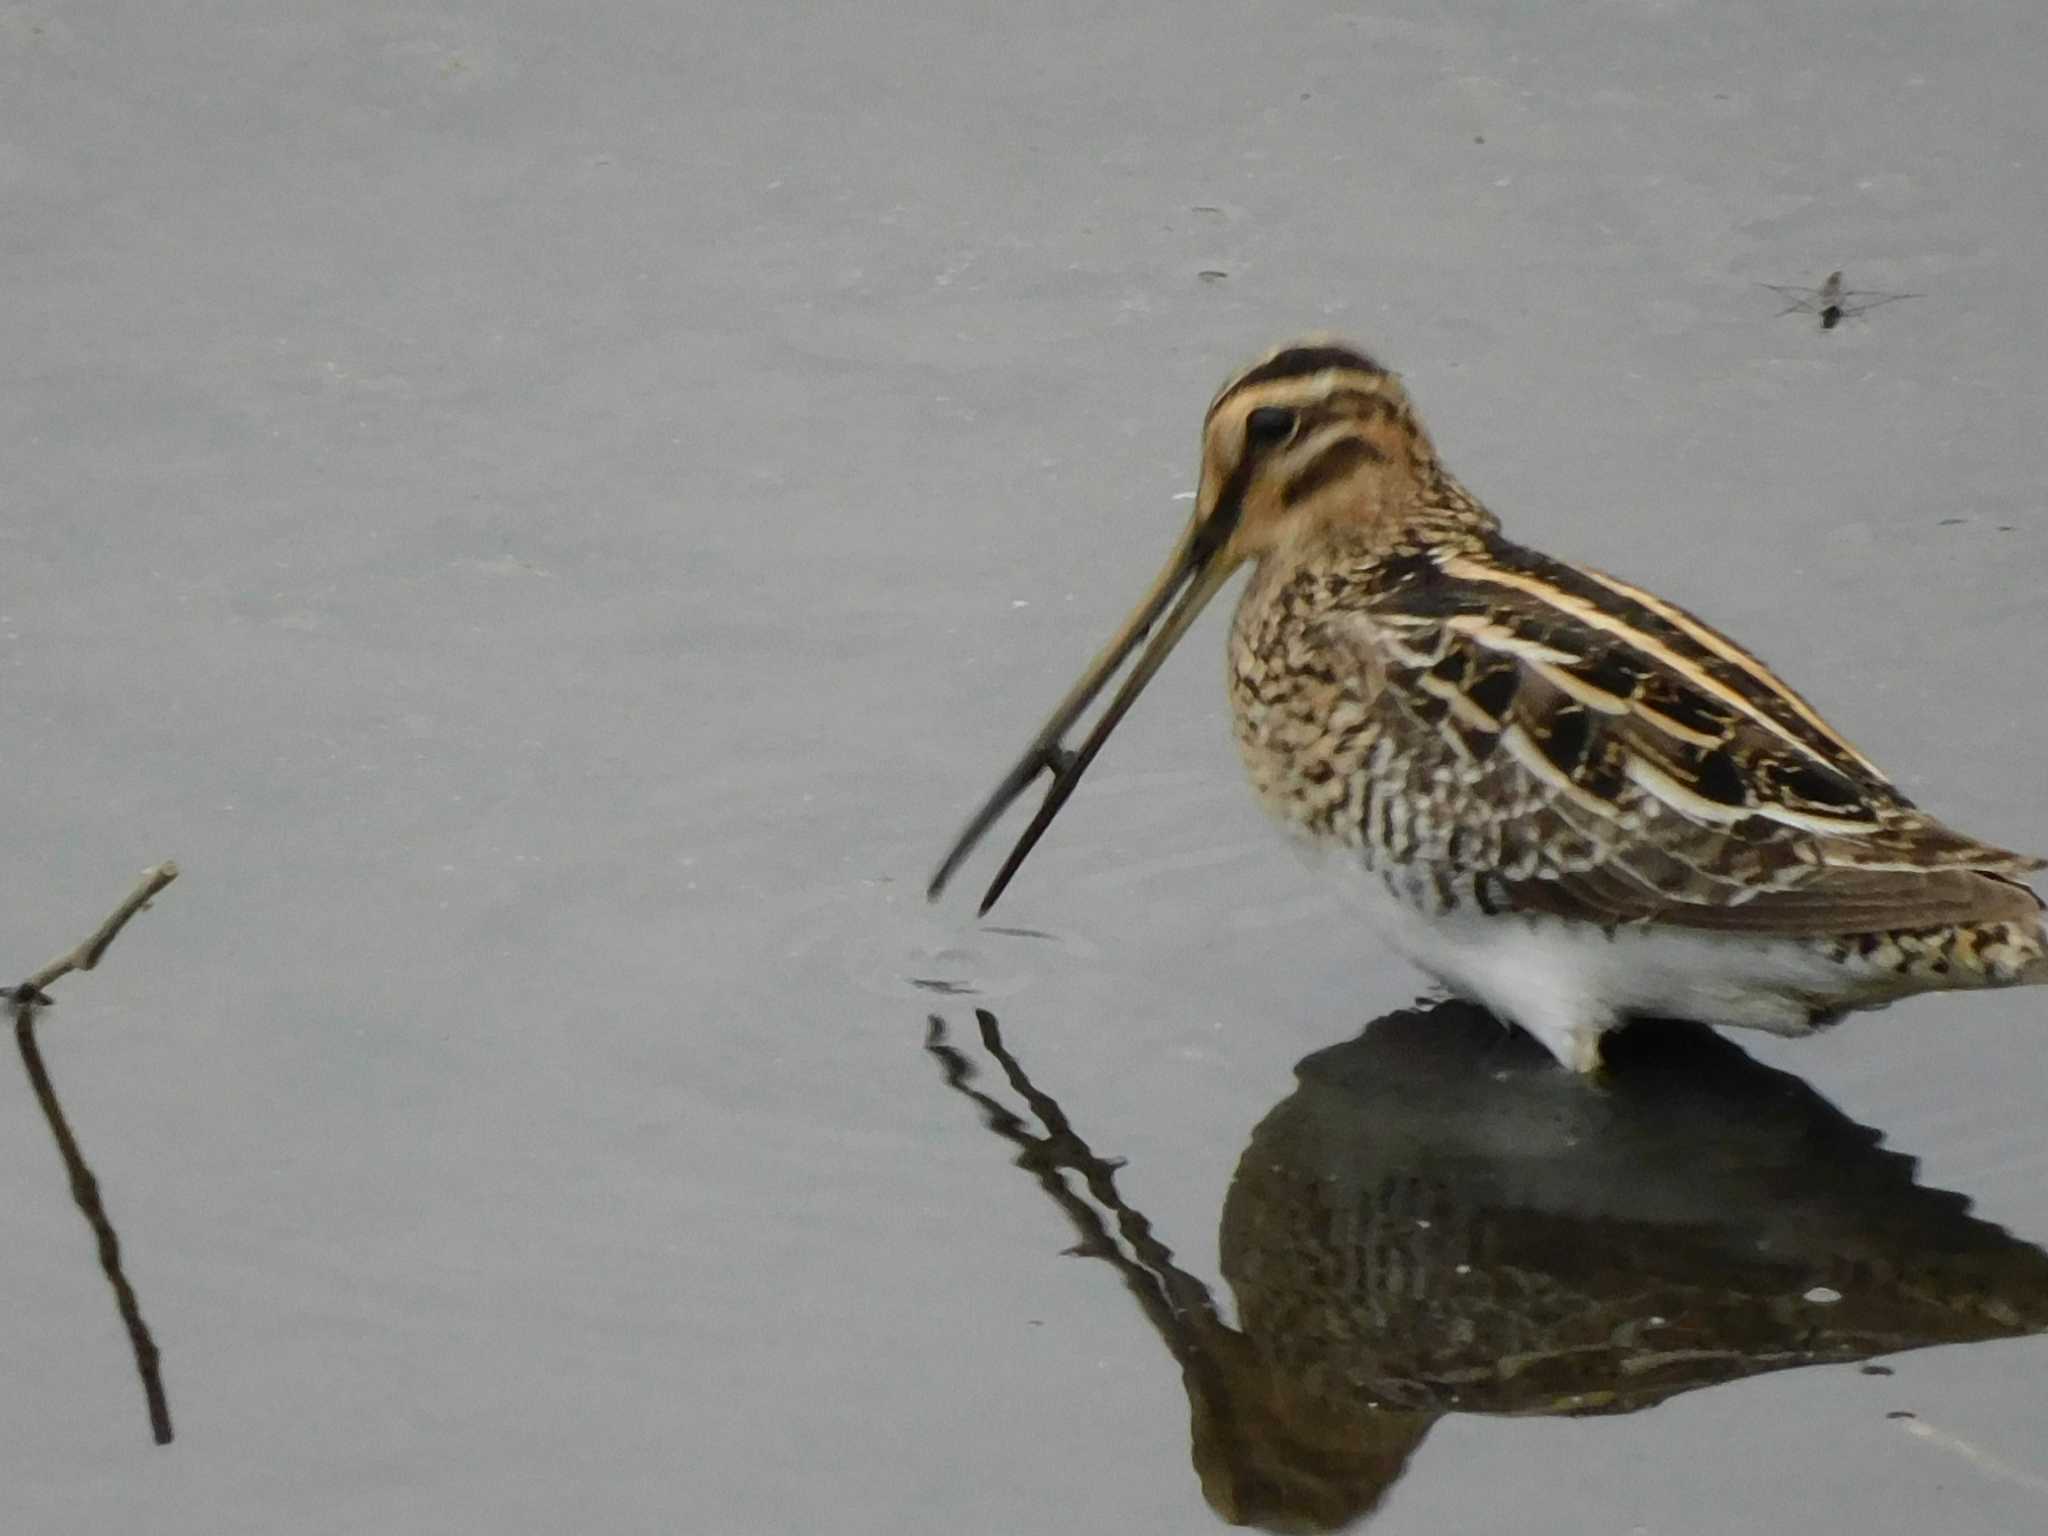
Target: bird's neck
point(1440, 515)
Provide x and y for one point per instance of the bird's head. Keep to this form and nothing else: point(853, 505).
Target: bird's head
point(1314, 437)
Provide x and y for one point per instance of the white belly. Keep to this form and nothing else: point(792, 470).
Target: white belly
point(1568, 983)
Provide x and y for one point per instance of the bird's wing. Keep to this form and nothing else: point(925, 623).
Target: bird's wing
point(1616, 759)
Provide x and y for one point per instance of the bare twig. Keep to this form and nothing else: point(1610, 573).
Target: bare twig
point(87, 955)
point(25, 1000)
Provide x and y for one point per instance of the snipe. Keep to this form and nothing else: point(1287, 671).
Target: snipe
point(1563, 796)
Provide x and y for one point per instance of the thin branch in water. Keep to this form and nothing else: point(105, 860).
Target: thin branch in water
point(87, 955)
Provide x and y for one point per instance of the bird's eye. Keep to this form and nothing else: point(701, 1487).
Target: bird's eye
point(1268, 425)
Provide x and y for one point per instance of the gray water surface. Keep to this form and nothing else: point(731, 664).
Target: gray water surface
point(552, 515)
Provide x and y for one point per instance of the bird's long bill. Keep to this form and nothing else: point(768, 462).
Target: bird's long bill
point(1193, 573)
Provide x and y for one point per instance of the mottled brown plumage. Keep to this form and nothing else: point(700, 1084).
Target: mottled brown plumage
point(1470, 709)
point(1521, 753)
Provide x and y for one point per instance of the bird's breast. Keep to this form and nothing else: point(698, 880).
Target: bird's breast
point(1302, 705)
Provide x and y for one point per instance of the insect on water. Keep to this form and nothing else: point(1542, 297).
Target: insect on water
point(1831, 301)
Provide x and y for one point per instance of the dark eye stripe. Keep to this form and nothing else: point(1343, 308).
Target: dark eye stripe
point(1341, 458)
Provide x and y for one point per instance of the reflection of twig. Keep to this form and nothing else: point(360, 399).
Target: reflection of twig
point(86, 1191)
point(26, 998)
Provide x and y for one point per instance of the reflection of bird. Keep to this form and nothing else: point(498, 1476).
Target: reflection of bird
point(1435, 1221)
point(1831, 301)
point(1572, 800)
